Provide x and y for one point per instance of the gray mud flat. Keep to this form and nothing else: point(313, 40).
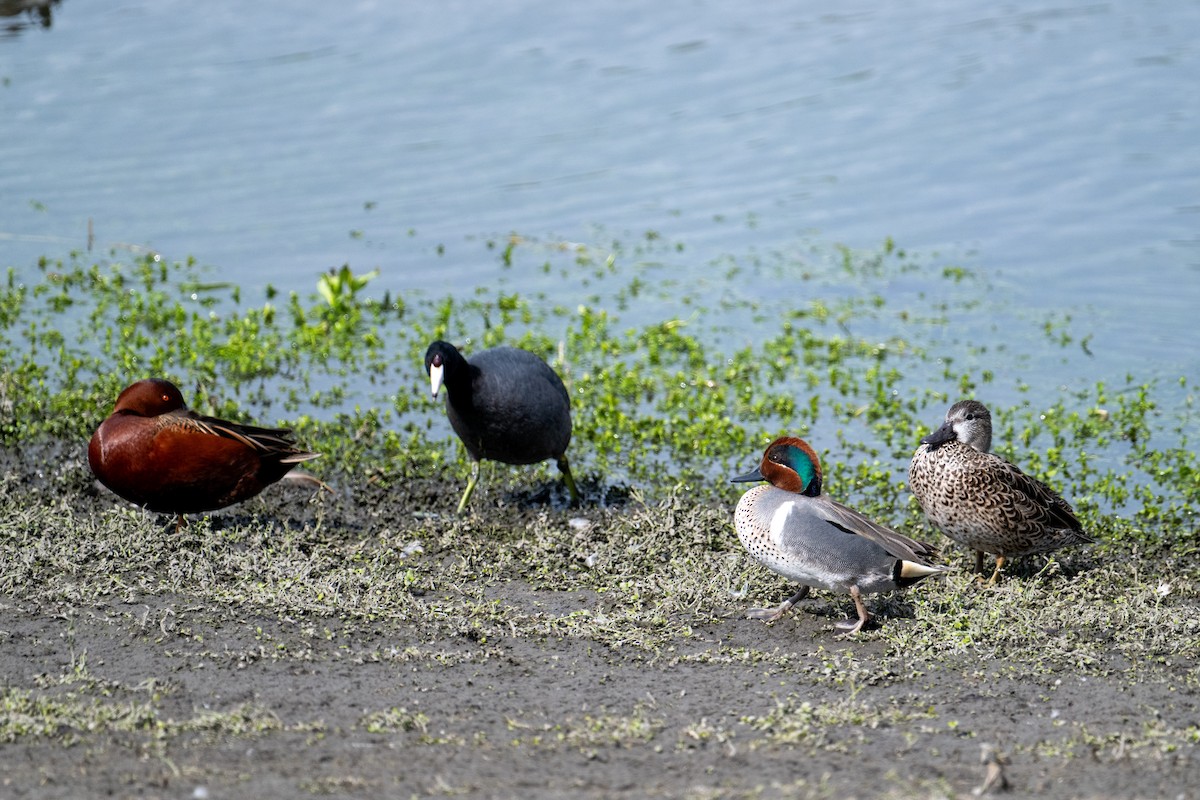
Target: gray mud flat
point(371, 645)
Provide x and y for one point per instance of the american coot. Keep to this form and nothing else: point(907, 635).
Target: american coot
point(154, 452)
point(793, 529)
point(506, 404)
point(982, 501)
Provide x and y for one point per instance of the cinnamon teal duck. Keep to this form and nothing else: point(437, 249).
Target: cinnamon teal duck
point(506, 404)
point(792, 528)
point(980, 500)
point(157, 454)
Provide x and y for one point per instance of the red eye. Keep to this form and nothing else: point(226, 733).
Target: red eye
point(166, 398)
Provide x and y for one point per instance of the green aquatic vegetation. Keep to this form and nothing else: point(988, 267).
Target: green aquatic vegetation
point(622, 730)
point(795, 720)
point(669, 399)
point(394, 719)
point(69, 717)
point(26, 714)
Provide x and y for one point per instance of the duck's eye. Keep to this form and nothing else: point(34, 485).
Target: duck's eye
point(970, 417)
point(166, 398)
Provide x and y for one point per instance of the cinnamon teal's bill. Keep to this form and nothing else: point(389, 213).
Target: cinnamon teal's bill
point(982, 501)
point(506, 404)
point(792, 528)
point(157, 454)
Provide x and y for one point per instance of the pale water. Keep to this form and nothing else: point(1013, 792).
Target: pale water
point(1053, 148)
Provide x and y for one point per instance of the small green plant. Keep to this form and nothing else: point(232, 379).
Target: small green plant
point(340, 288)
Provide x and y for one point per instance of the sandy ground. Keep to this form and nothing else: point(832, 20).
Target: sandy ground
point(223, 696)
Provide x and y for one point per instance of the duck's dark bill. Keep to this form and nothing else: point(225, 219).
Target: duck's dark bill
point(942, 435)
point(752, 475)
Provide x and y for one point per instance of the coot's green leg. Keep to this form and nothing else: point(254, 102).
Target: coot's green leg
point(565, 469)
point(471, 481)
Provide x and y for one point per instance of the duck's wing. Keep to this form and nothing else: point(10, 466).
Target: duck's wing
point(267, 442)
point(853, 522)
point(1037, 499)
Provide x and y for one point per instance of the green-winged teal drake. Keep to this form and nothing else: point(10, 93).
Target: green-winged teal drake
point(792, 528)
point(506, 404)
point(980, 500)
point(155, 453)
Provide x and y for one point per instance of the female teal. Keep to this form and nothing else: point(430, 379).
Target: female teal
point(980, 500)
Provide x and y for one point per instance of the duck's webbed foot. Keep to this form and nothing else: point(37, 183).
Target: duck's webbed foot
point(770, 615)
point(849, 627)
point(1000, 560)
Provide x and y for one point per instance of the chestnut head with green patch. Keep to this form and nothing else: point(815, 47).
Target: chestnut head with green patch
point(788, 464)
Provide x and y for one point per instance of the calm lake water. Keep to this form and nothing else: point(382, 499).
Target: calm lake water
point(1053, 147)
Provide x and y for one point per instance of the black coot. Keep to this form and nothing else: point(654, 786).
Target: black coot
point(506, 404)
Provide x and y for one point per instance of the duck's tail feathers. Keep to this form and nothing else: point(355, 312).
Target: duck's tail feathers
point(298, 457)
point(906, 573)
point(308, 479)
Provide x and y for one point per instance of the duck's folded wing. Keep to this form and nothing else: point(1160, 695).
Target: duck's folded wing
point(853, 522)
point(1037, 498)
point(276, 442)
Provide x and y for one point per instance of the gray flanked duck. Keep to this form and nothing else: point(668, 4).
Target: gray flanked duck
point(980, 500)
point(506, 404)
point(790, 527)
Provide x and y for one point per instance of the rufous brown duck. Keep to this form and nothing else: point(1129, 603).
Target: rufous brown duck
point(156, 453)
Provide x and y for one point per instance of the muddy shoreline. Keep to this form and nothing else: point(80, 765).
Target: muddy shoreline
point(130, 671)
